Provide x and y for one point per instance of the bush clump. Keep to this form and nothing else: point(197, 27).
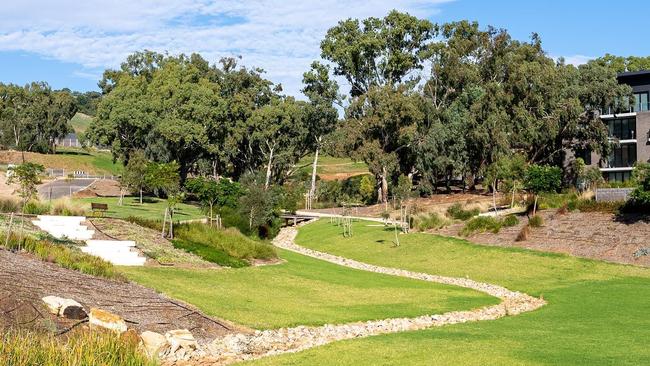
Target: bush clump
point(536, 221)
point(65, 256)
point(595, 206)
point(9, 205)
point(510, 221)
point(65, 207)
point(205, 239)
point(481, 224)
point(430, 221)
point(457, 212)
point(34, 207)
point(79, 347)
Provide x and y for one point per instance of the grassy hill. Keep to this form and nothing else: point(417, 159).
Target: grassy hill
point(91, 161)
point(331, 168)
point(80, 122)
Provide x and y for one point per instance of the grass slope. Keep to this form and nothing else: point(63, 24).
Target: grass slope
point(597, 313)
point(70, 159)
point(330, 168)
point(80, 122)
point(304, 291)
point(151, 208)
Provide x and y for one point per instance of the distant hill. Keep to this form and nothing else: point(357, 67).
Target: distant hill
point(80, 122)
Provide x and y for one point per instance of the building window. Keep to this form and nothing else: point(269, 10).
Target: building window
point(622, 129)
point(640, 102)
point(617, 176)
point(623, 156)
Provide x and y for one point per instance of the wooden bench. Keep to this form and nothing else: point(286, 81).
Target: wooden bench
point(98, 208)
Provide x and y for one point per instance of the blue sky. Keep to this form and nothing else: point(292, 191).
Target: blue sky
point(69, 43)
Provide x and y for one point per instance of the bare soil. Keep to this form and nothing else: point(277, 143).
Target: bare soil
point(591, 235)
point(100, 188)
point(24, 280)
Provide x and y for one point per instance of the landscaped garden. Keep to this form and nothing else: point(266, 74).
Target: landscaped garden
point(152, 208)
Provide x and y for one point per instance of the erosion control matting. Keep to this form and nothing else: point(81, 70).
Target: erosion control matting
point(24, 281)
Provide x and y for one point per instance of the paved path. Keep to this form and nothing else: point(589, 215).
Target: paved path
point(239, 347)
point(63, 187)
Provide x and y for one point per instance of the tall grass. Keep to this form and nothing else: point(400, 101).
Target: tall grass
point(430, 221)
point(457, 212)
point(482, 224)
point(62, 255)
point(62, 206)
point(81, 347)
point(229, 241)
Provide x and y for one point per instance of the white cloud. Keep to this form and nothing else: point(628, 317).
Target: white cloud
point(576, 60)
point(280, 36)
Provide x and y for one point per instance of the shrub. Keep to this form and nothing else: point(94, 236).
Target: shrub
point(536, 221)
point(79, 347)
point(65, 256)
point(510, 221)
point(9, 205)
point(595, 206)
point(457, 212)
point(65, 207)
point(149, 223)
point(523, 234)
point(430, 221)
point(481, 224)
point(34, 207)
point(229, 241)
point(639, 202)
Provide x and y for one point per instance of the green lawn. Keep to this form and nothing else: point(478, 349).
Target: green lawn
point(151, 208)
point(304, 291)
point(80, 122)
point(70, 159)
point(597, 313)
point(329, 166)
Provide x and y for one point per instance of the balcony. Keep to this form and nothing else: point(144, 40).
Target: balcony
point(616, 110)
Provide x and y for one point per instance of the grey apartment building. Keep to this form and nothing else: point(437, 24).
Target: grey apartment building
point(629, 130)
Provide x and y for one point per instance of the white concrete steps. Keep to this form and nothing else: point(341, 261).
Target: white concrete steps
point(64, 227)
point(118, 252)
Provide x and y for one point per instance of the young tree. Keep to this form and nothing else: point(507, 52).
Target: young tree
point(542, 178)
point(28, 176)
point(367, 188)
point(258, 202)
point(135, 173)
point(207, 191)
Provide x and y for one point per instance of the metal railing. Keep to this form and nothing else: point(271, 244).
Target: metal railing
point(638, 107)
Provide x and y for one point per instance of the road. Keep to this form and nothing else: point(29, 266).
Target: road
point(63, 187)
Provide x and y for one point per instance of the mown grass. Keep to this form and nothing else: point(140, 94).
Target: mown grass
point(80, 122)
point(597, 313)
point(304, 291)
point(152, 208)
point(79, 348)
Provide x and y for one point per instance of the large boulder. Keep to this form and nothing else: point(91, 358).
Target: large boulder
point(67, 308)
point(153, 343)
point(104, 319)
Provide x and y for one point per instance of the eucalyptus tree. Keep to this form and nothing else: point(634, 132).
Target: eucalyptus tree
point(321, 114)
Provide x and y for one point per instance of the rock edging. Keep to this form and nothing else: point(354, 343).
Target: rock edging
point(240, 347)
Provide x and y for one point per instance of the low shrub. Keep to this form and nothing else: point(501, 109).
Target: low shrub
point(430, 221)
point(638, 202)
point(209, 253)
point(523, 234)
point(536, 221)
point(63, 255)
point(79, 347)
point(148, 223)
point(510, 221)
point(457, 212)
point(229, 241)
point(65, 207)
point(9, 205)
point(596, 206)
point(34, 207)
point(481, 224)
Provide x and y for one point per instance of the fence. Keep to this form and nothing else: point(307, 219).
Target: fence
point(62, 173)
point(612, 194)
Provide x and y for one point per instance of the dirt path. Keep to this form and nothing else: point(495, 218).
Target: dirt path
point(239, 347)
point(25, 280)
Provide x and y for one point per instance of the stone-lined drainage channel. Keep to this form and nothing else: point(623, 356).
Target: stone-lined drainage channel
point(239, 347)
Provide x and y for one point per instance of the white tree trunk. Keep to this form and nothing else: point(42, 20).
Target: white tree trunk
point(268, 169)
point(494, 197)
point(384, 185)
point(312, 190)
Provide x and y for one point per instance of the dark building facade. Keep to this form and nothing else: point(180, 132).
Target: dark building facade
point(629, 130)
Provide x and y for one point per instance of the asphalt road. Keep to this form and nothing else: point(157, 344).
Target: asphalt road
point(63, 187)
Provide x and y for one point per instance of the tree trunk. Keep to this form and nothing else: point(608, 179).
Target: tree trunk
point(512, 201)
point(140, 195)
point(384, 185)
point(494, 197)
point(535, 206)
point(312, 190)
point(268, 170)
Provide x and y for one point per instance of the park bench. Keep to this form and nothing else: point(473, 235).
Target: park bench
point(98, 208)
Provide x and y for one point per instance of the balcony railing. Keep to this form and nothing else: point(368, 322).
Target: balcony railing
point(639, 107)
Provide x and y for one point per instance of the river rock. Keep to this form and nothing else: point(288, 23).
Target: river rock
point(153, 343)
point(67, 308)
